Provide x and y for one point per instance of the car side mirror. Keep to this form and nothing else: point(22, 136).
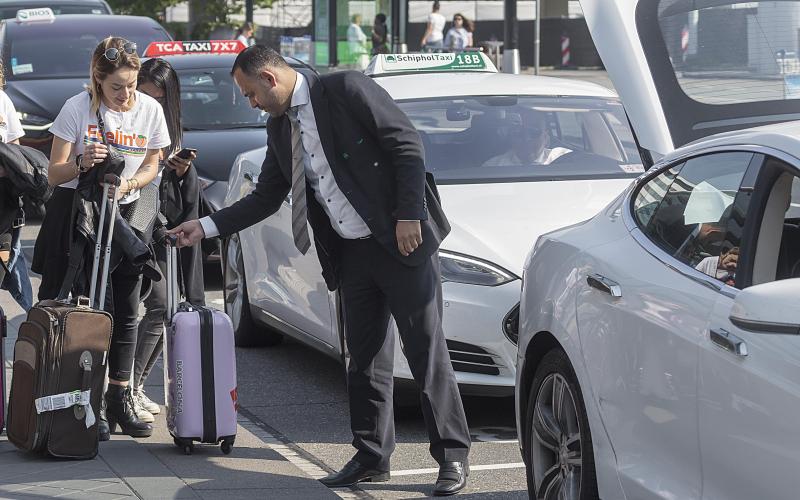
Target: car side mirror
point(768, 308)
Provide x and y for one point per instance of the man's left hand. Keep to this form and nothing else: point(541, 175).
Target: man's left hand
point(409, 236)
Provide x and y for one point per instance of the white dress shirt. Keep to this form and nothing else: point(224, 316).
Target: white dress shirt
point(344, 218)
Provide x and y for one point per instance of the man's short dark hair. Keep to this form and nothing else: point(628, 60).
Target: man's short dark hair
point(254, 59)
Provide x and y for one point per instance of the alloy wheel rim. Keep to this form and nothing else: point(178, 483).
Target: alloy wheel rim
point(234, 284)
point(556, 446)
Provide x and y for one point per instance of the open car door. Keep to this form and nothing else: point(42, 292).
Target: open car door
point(687, 69)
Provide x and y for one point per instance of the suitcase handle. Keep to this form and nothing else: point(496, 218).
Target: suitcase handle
point(173, 291)
point(108, 181)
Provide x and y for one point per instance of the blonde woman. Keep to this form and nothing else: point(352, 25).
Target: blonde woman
point(112, 114)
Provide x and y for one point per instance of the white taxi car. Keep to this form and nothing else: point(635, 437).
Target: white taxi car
point(659, 348)
point(513, 156)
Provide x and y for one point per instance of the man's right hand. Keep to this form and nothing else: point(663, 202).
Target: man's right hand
point(189, 233)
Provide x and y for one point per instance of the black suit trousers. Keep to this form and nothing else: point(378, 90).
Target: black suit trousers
point(374, 285)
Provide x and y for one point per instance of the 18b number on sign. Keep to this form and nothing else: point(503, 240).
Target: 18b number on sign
point(468, 59)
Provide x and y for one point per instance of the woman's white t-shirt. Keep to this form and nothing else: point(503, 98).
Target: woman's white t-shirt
point(457, 39)
point(130, 132)
point(10, 126)
point(437, 22)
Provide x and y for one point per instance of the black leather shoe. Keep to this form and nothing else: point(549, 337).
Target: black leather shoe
point(352, 473)
point(452, 478)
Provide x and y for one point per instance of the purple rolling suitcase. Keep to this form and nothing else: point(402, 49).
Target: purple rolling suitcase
point(201, 371)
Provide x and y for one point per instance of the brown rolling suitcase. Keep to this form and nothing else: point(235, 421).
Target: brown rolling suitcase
point(60, 366)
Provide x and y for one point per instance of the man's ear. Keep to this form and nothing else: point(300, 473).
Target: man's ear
point(269, 77)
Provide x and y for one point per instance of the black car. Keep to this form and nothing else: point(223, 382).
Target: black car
point(47, 61)
point(9, 9)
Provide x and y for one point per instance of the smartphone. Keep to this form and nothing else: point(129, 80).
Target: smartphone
point(185, 153)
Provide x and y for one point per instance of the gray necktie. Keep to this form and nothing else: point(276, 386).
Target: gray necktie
point(299, 212)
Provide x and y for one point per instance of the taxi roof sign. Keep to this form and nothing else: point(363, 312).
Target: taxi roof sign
point(435, 62)
point(174, 48)
point(33, 15)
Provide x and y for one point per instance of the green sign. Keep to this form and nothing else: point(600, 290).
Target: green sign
point(434, 62)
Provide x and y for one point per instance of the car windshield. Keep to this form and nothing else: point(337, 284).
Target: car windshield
point(519, 138)
point(10, 11)
point(210, 100)
point(62, 51)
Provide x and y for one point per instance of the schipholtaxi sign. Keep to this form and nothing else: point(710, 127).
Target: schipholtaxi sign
point(388, 64)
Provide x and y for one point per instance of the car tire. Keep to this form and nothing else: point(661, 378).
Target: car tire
point(558, 444)
point(246, 332)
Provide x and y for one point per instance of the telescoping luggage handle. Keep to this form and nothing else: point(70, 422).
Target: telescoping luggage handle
point(173, 290)
point(108, 181)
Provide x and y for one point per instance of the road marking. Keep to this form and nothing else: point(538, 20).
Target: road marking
point(416, 472)
point(303, 460)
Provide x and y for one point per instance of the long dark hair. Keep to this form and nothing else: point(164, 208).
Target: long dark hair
point(161, 74)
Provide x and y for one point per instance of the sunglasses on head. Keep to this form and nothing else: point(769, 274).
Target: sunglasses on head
point(112, 53)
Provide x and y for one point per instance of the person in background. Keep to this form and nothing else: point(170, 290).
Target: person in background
point(245, 34)
point(179, 195)
point(457, 37)
point(13, 267)
point(530, 141)
point(469, 25)
point(111, 114)
point(357, 43)
point(380, 35)
point(434, 31)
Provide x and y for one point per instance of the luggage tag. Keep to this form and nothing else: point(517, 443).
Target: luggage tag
point(66, 400)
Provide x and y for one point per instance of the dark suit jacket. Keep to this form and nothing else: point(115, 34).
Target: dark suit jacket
point(376, 156)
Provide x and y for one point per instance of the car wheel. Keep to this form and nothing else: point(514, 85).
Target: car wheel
point(558, 446)
point(237, 305)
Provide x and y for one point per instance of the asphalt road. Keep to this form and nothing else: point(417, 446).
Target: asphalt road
point(299, 396)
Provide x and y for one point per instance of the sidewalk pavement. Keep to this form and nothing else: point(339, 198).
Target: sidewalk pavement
point(260, 466)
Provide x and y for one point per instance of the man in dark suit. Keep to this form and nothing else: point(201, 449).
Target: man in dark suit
point(354, 166)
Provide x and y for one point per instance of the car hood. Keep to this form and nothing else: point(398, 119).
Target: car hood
point(217, 149)
point(500, 223)
point(44, 97)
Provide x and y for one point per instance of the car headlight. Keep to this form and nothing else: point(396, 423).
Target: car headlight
point(205, 183)
point(33, 122)
point(469, 270)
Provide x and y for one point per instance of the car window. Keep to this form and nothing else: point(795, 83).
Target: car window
point(732, 51)
point(65, 50)
point(695, 211)
point(519, 138)
point(210, 100)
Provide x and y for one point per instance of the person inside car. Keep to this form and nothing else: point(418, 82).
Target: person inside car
point(530, 141)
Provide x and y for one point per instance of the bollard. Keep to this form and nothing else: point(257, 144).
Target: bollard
point(565, 52)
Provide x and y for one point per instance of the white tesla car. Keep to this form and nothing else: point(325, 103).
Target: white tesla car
point(471, 119)
point(659, 348)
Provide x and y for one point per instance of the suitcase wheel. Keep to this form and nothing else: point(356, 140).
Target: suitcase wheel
point(186, 445)
point(226, 447)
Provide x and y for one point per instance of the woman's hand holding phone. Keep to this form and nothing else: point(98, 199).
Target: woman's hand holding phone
point(181, 161)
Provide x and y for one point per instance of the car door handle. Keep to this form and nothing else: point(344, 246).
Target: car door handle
point(728, 341)
point(604, 284)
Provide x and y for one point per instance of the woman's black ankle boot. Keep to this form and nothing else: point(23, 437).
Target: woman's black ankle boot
point(119, 410)
point(102, 423)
